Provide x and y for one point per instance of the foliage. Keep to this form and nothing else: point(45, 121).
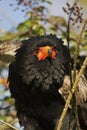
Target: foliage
point(30, 27)
point(38, 21)
point(8, 36)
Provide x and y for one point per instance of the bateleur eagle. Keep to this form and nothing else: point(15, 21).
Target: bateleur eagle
point(34, 79)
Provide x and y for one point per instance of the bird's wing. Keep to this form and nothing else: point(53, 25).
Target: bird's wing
point(13, 79)
point(81, 91)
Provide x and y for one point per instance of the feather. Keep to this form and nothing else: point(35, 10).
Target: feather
point(34, 84)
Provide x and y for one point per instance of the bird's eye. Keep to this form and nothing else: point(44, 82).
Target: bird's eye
point(54, 49)
point(36, 52)
point(54, 53)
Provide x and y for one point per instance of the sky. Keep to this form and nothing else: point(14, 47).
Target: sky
point(9, 19)
point(56, 7)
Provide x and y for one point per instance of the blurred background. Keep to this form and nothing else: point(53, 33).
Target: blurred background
point(21, 19)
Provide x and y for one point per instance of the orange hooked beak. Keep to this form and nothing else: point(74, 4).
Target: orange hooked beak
point(43, 52)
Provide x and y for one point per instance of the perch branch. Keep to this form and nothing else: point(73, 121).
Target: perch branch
point(75, 66)
point(9, 125)
point(77, 47)
point(71, 94)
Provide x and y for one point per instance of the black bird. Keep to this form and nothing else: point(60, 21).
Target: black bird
point(34, 79)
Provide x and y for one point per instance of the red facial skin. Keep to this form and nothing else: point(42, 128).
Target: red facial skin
point(43, 52)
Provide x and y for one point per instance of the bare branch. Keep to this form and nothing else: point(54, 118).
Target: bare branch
point(71, 94)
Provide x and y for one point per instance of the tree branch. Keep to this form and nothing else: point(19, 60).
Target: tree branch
point(71, 94)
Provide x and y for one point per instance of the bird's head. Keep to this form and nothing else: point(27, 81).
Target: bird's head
point(42, 60)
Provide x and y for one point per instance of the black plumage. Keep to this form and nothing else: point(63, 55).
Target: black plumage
point(34, 84)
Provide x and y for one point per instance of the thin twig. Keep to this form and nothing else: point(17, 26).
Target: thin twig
point(77, 48)
point(9, 125)
point(75, 66)
point(77, 118)
point(71, 94)
point(68, 26)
